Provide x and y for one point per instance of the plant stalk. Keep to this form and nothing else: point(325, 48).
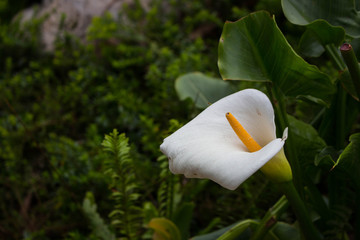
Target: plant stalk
point(335, 56)
point(270, 219)
point(353, 66)
point(341, 97)
point(280, 109)
point(301, 212)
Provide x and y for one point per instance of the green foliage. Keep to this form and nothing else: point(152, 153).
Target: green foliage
point(348, 159)
point(249, 50)
point(318, 35)
point(342, 13)
point(201, 89)
point(164, 229)
point(118, 166)
point(99, 228)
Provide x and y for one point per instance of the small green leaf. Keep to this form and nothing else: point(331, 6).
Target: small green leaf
point(349, 159)
point(203, 90)
point(254, 49)
point(284, 231)
point(338, 13)
point(325, 158)
point(318, 34)
point(164, 229)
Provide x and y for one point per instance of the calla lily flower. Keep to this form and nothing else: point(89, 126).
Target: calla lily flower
point(207, 146)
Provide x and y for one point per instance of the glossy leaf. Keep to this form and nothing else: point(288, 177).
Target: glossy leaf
point(164, 229)
point(203, 90)
point(349, 159)
point(254, 49)
point(318, 34)
point(338, 13)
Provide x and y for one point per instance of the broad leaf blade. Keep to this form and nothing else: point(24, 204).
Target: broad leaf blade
point(203, 90)
point(254, 49)
point(337, 13)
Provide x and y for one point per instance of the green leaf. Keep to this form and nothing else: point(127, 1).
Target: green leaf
point(284, 231)
point(164, 229)
point(338, 13)
point(203, 90)
point(349, 159)
point(307, 140)
point(254, 49)
point(318, 34)
point(99, 228)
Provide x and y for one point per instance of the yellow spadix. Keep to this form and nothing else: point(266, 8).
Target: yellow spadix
point(244, 136)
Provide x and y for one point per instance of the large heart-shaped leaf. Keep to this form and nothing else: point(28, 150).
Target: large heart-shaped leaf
point(203, 90)
point(338, 13)
point(254, 49)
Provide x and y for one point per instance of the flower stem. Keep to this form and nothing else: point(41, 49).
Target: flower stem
point(301, 212)
point(333, 52)
point(353, 66)
point(270, 218)
point(280, 109)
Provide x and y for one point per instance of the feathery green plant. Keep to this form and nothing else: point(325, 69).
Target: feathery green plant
point(118, 166)
point(100, 229)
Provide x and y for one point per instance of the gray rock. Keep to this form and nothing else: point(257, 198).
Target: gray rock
point(74, 15)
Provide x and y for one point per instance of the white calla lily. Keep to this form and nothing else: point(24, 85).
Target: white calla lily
point(207, 146)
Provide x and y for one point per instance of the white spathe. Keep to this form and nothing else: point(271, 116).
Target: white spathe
point(207, 147)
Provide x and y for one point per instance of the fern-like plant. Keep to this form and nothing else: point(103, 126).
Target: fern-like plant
point(100, 229)
point(166, 189)
point(126, 216)
point(169, 187)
